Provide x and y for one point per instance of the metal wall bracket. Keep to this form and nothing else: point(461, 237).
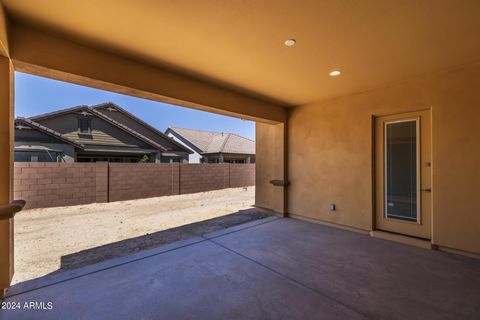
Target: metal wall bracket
point(280, 183)
point(7, 211)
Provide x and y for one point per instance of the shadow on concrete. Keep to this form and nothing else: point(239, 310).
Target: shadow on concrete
point(152, 240)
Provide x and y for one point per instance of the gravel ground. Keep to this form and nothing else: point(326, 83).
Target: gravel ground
point(55, 239)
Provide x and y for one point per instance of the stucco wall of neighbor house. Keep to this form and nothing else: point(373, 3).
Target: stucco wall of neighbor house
point(68, 151)
point(330, 154)
point(193, 157)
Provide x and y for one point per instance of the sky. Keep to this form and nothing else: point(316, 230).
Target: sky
point(35, 95)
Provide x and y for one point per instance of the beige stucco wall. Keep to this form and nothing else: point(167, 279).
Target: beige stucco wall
point(270, 165)
point(330, 154)
point(40, 53)
point(4, 48)
point(265, 160)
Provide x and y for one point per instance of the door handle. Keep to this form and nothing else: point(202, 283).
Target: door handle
point(426, 189)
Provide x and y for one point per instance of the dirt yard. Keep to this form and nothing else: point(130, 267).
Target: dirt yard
point(62, 238)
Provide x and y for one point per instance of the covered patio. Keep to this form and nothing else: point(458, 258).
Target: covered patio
point(275, 268)
point(367, 126)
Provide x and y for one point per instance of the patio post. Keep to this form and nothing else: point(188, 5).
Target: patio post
point(6, 171)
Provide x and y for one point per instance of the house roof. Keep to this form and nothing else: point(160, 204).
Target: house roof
point(115, 106)
point(215, 142)
point(58, 112)
point(127, 129)
point(96, 110)
point(32, 124)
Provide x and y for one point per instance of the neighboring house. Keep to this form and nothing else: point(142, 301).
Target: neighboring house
point(214, 147)
point(36, 143)
point(103, 132)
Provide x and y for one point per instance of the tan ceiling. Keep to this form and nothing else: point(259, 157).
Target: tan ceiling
point(240, 42)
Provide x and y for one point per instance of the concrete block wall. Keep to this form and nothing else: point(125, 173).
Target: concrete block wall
point(55, 184)
point(242, 175)
point(199, 177)
point(140, 180)
point(101, 181)
point(63, 184)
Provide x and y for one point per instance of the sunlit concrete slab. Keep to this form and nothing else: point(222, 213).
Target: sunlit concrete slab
point(271, 269)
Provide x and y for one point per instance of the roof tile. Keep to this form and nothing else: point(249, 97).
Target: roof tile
point(217, 142)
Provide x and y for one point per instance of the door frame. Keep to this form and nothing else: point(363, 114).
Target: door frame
point(411, 115)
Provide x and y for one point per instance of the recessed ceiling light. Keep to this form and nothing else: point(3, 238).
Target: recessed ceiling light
point(334, 73)
point(290, 42)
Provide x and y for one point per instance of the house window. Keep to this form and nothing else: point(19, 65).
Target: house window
point(84, 125)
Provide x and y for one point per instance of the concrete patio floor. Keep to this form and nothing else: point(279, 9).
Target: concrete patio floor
point(273, 268)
